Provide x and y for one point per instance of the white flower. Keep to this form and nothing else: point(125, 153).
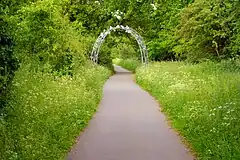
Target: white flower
point(97, 2)
point(119, 17)
point(212, 114)
point(154, 7)
point(117, 14)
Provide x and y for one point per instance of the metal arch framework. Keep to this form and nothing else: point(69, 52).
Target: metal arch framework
point(104, 34)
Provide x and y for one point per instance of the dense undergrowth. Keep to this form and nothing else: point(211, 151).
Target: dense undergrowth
point(202, 102)
point(44, 114)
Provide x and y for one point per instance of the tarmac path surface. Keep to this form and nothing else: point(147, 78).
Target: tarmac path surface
point(128, 126)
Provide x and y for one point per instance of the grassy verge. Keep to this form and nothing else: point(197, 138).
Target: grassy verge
point(44, 115)
point(203, 103)
point(129, 64)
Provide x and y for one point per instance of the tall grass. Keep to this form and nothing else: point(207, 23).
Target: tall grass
point(44, 114)
point(129, 64)
point(202, 102)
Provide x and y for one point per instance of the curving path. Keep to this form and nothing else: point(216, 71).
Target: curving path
point(128, 126)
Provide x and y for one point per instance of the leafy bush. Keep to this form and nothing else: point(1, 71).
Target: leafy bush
point(161, 48)
point(8, 63)
point(104, 58)
point(124, 51)
point(209, 30)
point(44, 32)
point(202, 102)
point(161, 38)
point(44, 115)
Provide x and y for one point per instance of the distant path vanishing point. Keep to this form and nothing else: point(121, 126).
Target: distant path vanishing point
point(128, 126)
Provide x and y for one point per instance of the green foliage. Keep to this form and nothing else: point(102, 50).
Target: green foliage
point(123, 50)
point(91, 15)
point(161, 48)
point(203, 30)
point(117, 47)
point(11, 6)
point(129, 64)
point(105, 58)
point(8, 62)
point(161, 31)
point(44, 114)
point(209, 29)
point(43, 32)
point(201, 101)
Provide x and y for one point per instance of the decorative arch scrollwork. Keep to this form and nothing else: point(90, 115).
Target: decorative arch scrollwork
point(105, 33)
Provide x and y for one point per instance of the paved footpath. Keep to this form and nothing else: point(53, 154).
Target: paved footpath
point(128, 126)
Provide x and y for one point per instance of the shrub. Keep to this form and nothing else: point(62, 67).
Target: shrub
point(104, 58)
point(44, 32)
point(8, 62)
point(209, 30)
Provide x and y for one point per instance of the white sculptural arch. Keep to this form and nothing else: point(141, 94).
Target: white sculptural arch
point(104, 34)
